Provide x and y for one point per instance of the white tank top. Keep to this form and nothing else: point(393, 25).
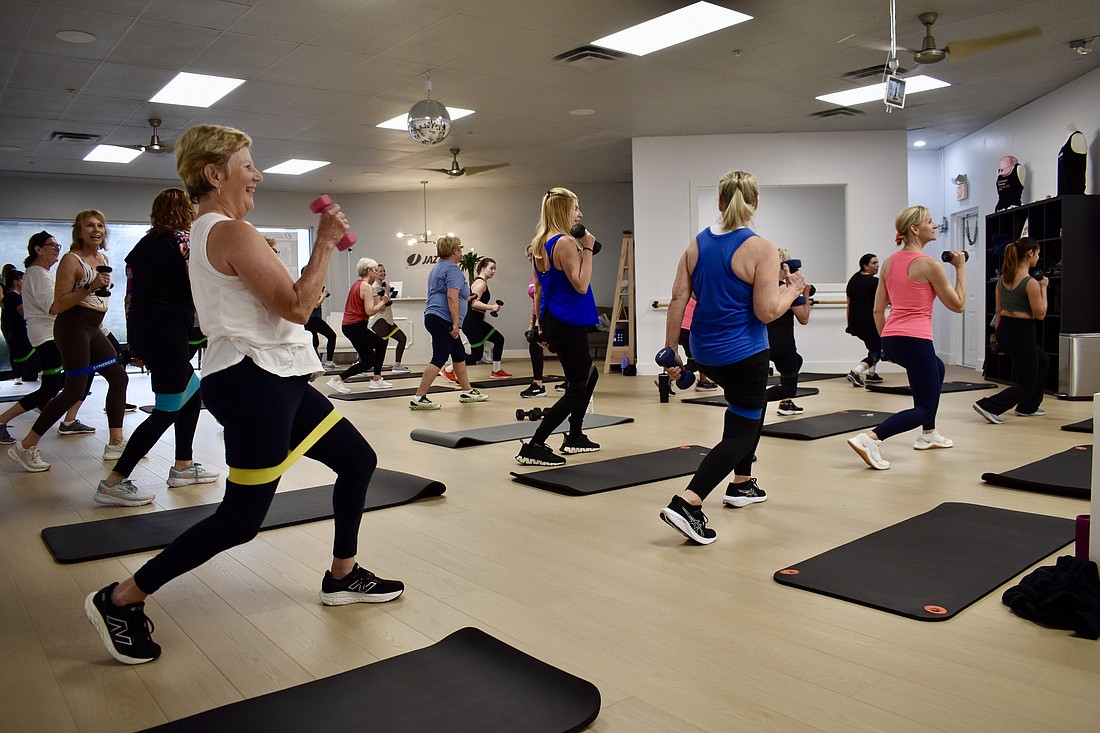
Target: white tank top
point(386, 314)
point(237, 324)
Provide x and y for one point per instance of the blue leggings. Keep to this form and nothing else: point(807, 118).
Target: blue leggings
point(925, 372)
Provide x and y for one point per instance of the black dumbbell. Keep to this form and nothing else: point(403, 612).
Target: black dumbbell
point(666, 358)
point(579, 231)
point(947, 254)
point(494, 314)
point(534, 414)
point(105, 291)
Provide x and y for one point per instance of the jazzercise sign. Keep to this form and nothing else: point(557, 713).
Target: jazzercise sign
point(418, 259)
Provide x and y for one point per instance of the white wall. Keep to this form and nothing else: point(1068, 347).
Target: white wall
point(872, 165)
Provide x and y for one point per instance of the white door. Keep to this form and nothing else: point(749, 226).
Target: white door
point(965, 236)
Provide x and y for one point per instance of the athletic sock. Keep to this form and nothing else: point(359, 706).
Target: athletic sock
point(497, 366)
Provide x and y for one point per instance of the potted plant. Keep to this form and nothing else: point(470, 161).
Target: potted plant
point(468, 263)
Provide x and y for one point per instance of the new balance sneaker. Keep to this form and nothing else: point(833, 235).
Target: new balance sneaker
point(193, 474)
point(578, 444)
point(926, 441)
point(473, 396)
point(500, 374)
point(125, 630)
point(538, 454)
point(6, 439)
point(380, 384)
point(855, 379)
point(744, 493)
point(359, 586)
point(113, 451)
point(989, 416)
point(788, 407)
point(74, 428)
point(124, 493)
point(398, 369)
point(705, 385)
point(872, 378)
point(869, 450)
point(449, 374)
point(535, 390)
point(423, 403)
point(1039, 412)
point(29, 458)
point(688, 520)
point(338, 384)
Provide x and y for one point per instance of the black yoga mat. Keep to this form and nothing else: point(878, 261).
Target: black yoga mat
point(950, 386)
point(372, 394)
point(513, 381)
point(617, 473)
point(154, 530)
point(1085, 426)
point(718, 400)
point(506, 432)
point(469, 682)
point(15, 396)
point(934, 565)
point(1068, 473)
point(805, 377)
point(822, 426)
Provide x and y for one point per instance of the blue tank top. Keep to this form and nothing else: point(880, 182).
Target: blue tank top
point(561, 298)
point(725, 328)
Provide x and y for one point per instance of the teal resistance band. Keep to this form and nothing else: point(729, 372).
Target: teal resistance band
point(175, 402)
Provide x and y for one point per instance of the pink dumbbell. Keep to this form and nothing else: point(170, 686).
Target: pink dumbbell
point(321, 203)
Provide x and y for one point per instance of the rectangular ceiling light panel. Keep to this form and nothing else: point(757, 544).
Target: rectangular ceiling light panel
point(877, 92)
point(196, 90)
point(672, 28)
point(296, 167)
point(111, 154)
point(401, 122)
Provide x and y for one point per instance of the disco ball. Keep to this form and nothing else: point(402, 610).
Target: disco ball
point(429, 122)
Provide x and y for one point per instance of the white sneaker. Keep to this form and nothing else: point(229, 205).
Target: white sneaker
point(29, 458)
point(338, 384)
point(870, 451)
point(932, 440)
point(193, 474)
point(112, 452)
point(1039, 412)
point(380, 384)
point(123, 493)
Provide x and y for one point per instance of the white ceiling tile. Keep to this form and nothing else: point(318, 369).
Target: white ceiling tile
point(160, 45)
point(310, 66)
point(239, 56)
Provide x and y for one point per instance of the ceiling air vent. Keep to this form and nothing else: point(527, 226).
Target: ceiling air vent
point(589, 54)
point(872, 72)
point(838, 112)
point(72, 137)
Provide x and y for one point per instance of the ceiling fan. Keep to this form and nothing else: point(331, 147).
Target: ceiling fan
point(456, 170)
point(155, 146)
point(929, 53)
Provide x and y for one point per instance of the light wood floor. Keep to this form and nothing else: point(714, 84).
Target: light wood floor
point(677, 637)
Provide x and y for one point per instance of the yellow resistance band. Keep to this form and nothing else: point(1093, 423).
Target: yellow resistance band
point(258, 476)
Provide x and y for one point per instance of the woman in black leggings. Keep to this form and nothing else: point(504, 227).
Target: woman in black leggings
point(360, 305)
point(256, 384)
point(161, 327)
point(317, 326)
point(474, 326)
point(567, 309)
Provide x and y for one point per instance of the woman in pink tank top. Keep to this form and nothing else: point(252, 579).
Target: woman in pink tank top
point(909, 283)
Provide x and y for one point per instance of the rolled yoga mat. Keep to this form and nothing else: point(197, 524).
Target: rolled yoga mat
point(506, 432)
point(823, 426)
point(947, 387)
point(617, 473)
point(1085, 426)
point(154, 530)
point(1068, 473)
point(468, 682)
point(717, 400)
point(934, 565)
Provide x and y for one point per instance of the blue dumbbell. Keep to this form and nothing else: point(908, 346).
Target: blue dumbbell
point(666, 357)
point(792, 267)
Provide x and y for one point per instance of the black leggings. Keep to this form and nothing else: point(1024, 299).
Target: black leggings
point(1029, 366)
point(788, 364)
point(443, 345)
point(53, 377)
point(478, 331)
point(318, 327)
point(535, 351)
point(83, 345)
point(570, 343)
point(387, 331)
point(368, 345)
point(265, 417)
point(743, 384)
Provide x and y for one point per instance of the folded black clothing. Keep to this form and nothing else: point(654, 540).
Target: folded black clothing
point(1064, 596)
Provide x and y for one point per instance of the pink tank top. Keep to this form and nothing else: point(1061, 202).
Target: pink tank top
point(910, 301)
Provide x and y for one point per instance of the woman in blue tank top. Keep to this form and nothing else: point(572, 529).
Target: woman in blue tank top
point(565, 311)
point(732, 274)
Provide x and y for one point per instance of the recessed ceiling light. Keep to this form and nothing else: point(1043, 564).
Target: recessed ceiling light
point(582, 112)
point(74, 36)
point(877, 92)
point(919, 143)
point(196, 90)
point(111, 154)
point(9, 149)
point(401, 122)
point(672, 28)
point(296, 167)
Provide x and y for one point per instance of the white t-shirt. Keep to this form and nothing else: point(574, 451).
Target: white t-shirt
point(38, 286)
point(237, 324)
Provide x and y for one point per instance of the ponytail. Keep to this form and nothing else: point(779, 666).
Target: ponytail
point(739, 192)
point(1014, 253)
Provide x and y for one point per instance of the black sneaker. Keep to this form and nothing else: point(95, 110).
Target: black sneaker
point(125, 630)
point(854, 378)
point(788, 407)
point(538, 454)
point(578, 444)
point(535, 390)
point(359, 586)
point(872, 378)
point(559, 387)
point(688, 520)
point(743, 494)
